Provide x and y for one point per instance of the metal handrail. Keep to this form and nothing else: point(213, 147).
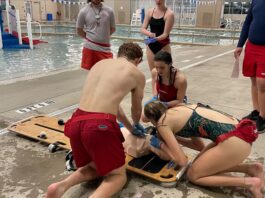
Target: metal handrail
point(1, 41)
point(35, 22)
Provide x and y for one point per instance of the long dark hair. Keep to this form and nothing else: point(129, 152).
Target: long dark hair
point(166, 57)
point(154, 110)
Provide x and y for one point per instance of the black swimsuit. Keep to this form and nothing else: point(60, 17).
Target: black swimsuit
point(157, 26)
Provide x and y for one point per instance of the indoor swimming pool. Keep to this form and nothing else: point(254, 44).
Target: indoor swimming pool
point(59, 54)
point(185, 35)
point(63, 50)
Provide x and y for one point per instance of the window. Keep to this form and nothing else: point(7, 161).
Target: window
point(236, 7)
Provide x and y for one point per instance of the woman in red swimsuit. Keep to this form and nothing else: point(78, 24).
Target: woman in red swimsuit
point(169, 84)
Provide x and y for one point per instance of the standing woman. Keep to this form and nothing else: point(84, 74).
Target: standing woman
point(230, 146)
point(254, 61)
point(161, 21)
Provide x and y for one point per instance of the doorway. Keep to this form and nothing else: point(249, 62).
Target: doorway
point(67, 12)
point(36, 11)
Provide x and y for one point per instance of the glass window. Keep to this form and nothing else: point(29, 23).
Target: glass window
point(236, 7)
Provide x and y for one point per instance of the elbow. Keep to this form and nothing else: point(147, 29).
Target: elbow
point(162, 37)
point(81, 33)
point(199, 146)
point(165, 35)
point(112, 30)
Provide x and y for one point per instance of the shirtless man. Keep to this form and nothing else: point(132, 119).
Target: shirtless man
point(95, 136)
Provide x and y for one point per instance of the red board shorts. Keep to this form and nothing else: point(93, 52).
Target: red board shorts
point(91, 57)
point(96, 137)
point(245, 130)
point(254, 60)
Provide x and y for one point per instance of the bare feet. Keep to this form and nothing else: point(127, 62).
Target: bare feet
point(55, 190)
point(256, 170)
point(254, 185)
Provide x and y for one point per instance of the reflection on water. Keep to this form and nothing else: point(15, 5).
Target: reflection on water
point(64, 52)
point(178, 35)
point(60, 53)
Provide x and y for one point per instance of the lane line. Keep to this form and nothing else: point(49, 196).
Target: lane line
point(61, 111)
point(55, 113)
point(199, 56)
point(185, 61)
point(205, 60)
point(4, 131)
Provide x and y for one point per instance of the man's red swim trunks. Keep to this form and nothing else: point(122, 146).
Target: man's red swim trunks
point(254, 60)
point(91, 57)
point(96, 137)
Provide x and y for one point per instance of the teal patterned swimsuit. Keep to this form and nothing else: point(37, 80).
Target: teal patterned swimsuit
point(198, 126)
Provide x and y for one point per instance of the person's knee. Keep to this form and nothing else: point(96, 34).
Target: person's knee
point(118, 174)
point(88, 170)
point(121, 171)
point(192, 175)
point(261, 85)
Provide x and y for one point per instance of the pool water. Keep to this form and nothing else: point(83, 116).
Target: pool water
point(60, 53)
point(179, 35)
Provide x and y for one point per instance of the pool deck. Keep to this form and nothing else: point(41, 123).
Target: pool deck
point(27, 168)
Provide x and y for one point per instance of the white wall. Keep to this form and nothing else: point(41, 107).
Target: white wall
point(46, 6)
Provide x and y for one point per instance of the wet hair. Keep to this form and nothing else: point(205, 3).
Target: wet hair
point(163, 56)
point(130, 50)
point(166, 58)
point(154, 110)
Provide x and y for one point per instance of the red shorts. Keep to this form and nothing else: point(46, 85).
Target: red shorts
point(254, 60)
point(91, 57)
point(245, 130)
point(96, 137)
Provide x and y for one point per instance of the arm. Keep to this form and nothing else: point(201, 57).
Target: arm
point(172, 144)
point(206, 148)
point(163, 152)
point(181, 86)
point(81, 32)
point(80, 23)
point(112, 30)
point(112, 23)
point(146, 23)
point(154, 77)
point(123, 119)
point(192, 143)
point(244, 33)
point(168, 26)
point(137, 96)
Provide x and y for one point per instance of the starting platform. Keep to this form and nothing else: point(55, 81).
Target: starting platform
point(50, 130)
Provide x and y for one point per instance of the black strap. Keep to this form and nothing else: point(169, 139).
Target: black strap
point(153, 12)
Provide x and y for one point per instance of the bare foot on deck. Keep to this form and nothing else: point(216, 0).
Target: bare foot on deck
point(55, 190)
point(256, 170)
point(254, 185)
